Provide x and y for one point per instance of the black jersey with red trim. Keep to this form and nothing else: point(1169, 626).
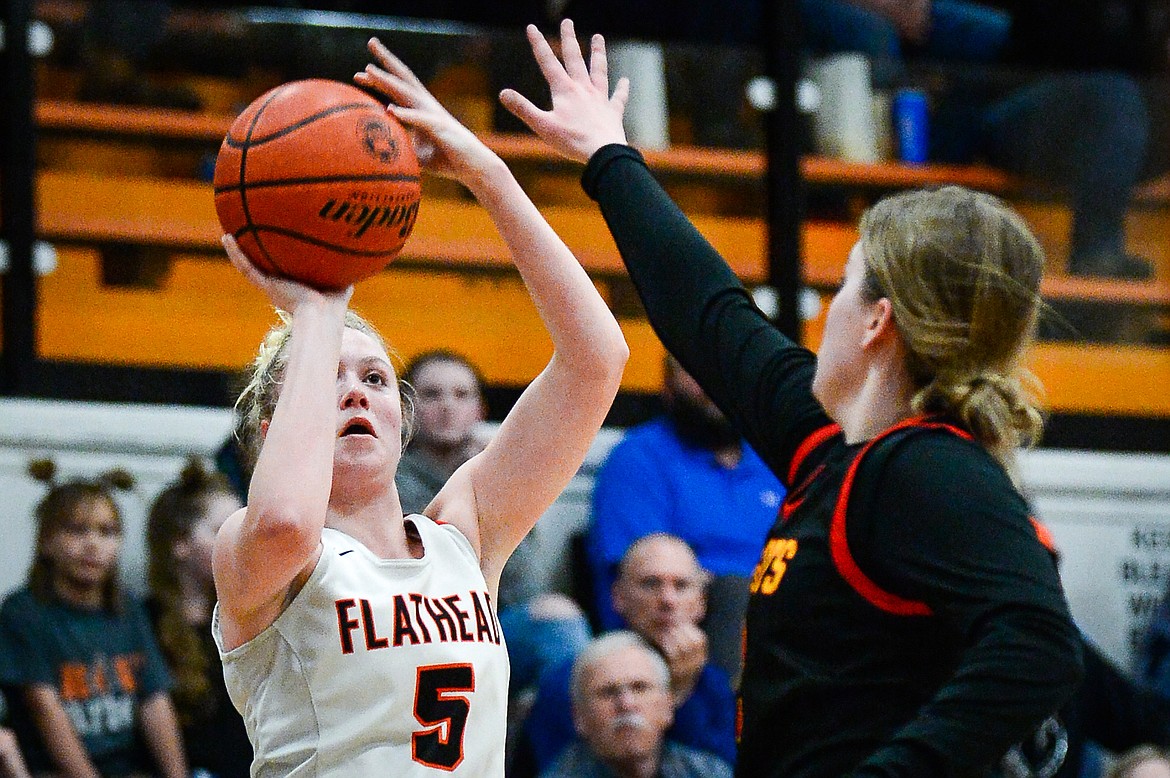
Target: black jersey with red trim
point(906, 618)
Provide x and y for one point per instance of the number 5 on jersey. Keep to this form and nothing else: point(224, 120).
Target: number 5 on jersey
point(440, 708)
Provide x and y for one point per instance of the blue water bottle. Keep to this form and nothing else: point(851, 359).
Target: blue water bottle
point(911, 114)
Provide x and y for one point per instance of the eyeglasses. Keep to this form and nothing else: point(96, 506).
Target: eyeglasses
point(614, 691)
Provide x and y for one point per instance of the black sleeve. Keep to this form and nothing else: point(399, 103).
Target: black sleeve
point(945, 526)
point(703, 314)
point(1117, 712)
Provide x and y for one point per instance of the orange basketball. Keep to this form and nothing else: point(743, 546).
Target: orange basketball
point(317, 183)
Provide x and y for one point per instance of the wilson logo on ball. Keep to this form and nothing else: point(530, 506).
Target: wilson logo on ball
point(377, 141)
point(400, 217)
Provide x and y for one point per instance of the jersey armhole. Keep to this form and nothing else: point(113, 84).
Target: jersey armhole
point(843, 559)
point(811, 442)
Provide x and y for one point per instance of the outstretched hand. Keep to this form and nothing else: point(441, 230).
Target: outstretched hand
point(443, 145)
point(584, 116)
point(284, 293)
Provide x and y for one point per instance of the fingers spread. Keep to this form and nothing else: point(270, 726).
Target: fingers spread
point(550, 66)
point(621, 95)
point(571, 52)
point(598, 64)
point(390, 62)
point(521, 107)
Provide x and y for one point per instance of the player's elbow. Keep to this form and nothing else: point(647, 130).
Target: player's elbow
point(285, 530)
point(1060, 661)
point(610, 355)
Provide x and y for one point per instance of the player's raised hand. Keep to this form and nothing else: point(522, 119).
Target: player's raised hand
point(284, 293)
point(584, 115)
point(443, 145)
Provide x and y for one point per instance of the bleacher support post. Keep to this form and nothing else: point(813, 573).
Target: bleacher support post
point(17, 202)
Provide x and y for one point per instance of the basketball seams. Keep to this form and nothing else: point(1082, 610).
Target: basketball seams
point(373, 177)
point(248, 226)
point(287, 233)
point(282, 132)
point(299, 141)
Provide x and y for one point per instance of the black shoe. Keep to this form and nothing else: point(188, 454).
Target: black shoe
point(1111, 265)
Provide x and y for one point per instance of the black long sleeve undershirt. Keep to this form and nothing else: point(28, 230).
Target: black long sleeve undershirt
point(996, 588)
point(702, 313)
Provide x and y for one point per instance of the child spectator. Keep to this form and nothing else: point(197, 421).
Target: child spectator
point(88, 671)
point(180, 533)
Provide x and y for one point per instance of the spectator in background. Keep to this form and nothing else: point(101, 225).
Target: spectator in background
point(180, 534)
point(93, 687)
point(1153, 660)
point(448, 407)
point(660, 595)
point(621, 710)
point(11, 761)
point(542, 629)
point(1110, 709)
point(1085, 132)
point(690, 474)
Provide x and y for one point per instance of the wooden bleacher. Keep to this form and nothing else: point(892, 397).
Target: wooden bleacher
point(127, 177)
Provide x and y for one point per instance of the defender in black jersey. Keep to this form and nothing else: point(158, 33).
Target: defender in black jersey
point(906, 617)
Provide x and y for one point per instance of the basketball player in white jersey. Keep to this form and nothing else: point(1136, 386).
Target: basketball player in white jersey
point(357, 641)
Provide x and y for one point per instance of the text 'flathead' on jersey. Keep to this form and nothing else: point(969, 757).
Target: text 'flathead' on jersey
point(415, 619)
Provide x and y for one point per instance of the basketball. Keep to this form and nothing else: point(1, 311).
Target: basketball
point(317, 183)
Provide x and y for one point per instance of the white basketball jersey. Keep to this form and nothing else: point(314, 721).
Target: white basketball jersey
point(378, 667)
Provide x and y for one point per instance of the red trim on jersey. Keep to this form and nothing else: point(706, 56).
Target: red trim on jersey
point(796, 496)
point(1043, 534)
point(814, 439)
point(839, 544)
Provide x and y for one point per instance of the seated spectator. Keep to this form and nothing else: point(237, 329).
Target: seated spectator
point(11, 760)
point(1084, 131)
point(659, 593)
point(621, 710)
point(542, 628)
point(180, 532)
point(1141, 762)
point(1153, 661)
point(1111, 709)
point(93, 687)
point(687, 473)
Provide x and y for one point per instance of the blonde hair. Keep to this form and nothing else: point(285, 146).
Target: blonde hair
point(257, 401)
point(962, 273)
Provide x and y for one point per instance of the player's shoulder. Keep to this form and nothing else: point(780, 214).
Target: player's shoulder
point(921, 445)
point(919, 461)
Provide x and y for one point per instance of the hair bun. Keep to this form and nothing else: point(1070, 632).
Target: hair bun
point(118, 478)
point(43, 470)
point(193, 475)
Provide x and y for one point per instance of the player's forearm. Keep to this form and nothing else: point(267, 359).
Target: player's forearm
point(582, 329)
point(293, 473)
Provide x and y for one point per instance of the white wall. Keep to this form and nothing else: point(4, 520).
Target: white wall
point(86, 439)
point(1110, 513)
